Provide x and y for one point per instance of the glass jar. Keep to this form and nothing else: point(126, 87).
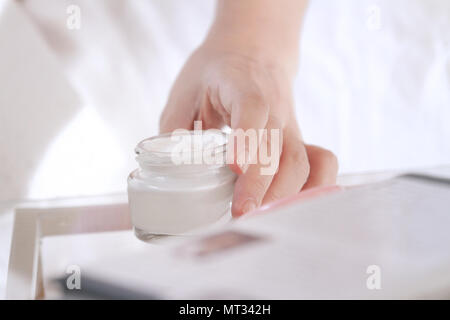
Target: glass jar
point(175, 190)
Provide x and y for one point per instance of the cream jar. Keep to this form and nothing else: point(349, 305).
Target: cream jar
point(182, 183)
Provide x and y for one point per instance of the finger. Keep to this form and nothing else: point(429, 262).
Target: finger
point(293, 171)
point(174, 118)
point(251, 186)
point(209, 116)
point(180, 111)
point(249, 114)
point(323, 167)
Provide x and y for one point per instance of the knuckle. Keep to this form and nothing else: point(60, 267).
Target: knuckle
point(254, 101)
point(258, 187)
point(274, 196)
point(328, 159)
point(304, 171)
point(274, 121)
point(296, 155)
point(300, 163)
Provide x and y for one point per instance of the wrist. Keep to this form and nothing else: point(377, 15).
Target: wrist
point(258, 47)
point(264, 30)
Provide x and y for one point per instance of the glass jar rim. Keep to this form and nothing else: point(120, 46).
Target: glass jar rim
point(148, 157)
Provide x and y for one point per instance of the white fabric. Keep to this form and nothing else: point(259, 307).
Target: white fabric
point(378, 96)
point(373, 83)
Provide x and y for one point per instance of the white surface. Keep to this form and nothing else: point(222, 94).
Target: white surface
point(6, 227)
point(319, 248)
point(34, 220)
point(79, 250)
point(6, 214)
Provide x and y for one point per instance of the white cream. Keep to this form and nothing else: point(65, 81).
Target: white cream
point(166, 198)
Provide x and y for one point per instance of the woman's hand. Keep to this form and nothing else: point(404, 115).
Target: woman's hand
point(246, 84)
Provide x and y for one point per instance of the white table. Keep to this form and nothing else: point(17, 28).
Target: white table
point(36, 219)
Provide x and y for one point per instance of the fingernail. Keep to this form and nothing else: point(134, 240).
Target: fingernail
point(248, 206)
point(242, 161)
point(243, 167)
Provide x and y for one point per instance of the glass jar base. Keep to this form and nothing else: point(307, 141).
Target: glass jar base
point(147, 236)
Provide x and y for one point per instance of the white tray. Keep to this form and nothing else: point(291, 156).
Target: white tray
point(61, 217)
point(88, 215)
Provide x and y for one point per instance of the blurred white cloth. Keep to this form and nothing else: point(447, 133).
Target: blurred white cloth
point(373, 84)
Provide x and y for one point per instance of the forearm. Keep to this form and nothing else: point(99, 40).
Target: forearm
point(260, 28)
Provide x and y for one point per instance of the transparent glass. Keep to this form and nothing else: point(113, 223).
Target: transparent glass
point(170, 198)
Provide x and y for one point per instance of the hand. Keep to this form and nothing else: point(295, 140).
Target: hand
point(224, 87)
